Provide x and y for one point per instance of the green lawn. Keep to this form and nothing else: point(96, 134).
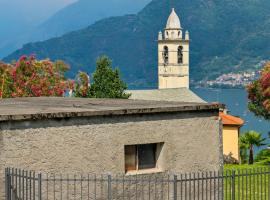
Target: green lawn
point(245, 166)
point(251, 182)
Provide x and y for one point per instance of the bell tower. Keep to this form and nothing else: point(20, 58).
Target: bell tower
point(173, 55)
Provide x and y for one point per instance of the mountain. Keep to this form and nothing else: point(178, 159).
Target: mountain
point(18, 18)
point(226, 36)
point(84, 13)
point(75, 16)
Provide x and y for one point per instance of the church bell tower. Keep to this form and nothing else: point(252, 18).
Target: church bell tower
point(173, 55)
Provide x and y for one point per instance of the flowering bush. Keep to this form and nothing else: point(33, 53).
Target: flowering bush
point(5, 80)
point(29, 77)
point(259, 94)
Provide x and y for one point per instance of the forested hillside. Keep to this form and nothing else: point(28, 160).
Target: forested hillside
point(226, 36)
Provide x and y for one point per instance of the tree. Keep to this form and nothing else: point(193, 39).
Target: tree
point(82, 85)
point(243, 150)
point(251, 139)
point(5, 80)
point(263, 156)
point(259, 94)
point(107, 82)
point(29, 77)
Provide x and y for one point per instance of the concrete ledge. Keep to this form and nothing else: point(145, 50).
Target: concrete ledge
point(52, 107)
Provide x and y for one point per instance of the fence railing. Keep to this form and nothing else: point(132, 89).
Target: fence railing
point(228, 185)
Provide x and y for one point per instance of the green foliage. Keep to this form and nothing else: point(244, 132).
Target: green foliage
point(265, 161)
point(249, 140)
point(107, 82)
point(263, 155)
point(82, 85)
point(259, 94)
point(6, 81)
point(243, 150)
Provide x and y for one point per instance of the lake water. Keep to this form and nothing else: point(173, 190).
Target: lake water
point(236, 102)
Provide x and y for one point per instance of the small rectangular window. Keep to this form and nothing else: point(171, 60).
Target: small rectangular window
point(142, 156)
point(147, 156)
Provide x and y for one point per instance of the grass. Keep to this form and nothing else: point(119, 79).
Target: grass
point(251, 181)
point(244, 166)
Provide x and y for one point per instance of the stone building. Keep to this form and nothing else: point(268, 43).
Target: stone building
point(73, 135)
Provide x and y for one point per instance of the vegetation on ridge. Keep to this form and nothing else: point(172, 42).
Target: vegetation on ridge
point(226, 36)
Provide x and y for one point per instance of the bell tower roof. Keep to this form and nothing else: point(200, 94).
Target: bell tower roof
point(173, 21)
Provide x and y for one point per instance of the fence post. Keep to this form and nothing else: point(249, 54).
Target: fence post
point(109, 187)
point(39, 186)
point(6, 183)
point(9, 184)
point(233, 185)
point(175, 187)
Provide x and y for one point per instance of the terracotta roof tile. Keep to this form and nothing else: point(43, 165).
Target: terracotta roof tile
point(231, 120)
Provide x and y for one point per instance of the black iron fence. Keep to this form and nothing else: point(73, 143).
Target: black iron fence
point(228, 185)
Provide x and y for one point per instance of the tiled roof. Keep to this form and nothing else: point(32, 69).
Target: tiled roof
point(231, 120)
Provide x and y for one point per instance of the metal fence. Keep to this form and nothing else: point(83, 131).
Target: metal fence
point(228, 185)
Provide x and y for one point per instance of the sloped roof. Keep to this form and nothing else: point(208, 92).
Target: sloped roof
point(231, 120)
point(176, 95)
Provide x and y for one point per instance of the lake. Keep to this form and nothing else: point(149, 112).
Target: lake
point(236, 102)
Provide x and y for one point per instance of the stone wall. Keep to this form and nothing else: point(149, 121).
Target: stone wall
point(192, 142)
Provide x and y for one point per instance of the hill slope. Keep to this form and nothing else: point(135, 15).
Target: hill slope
point(226, 36)
point(84, 13)
point(18, 17)
point(75, 16)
